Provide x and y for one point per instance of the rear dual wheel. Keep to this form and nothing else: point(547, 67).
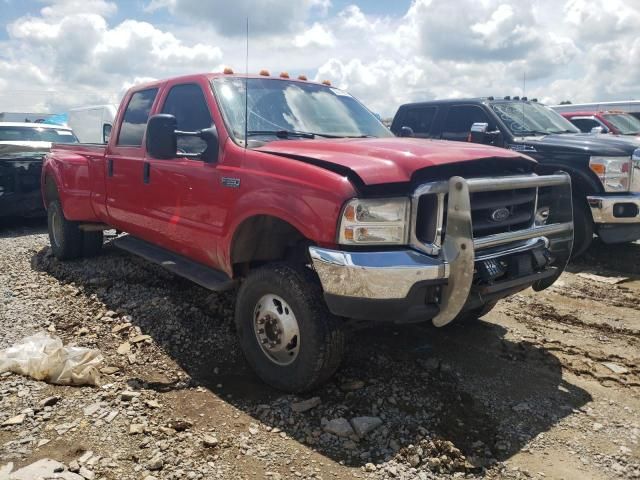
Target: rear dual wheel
point(66, 238)
point(286, 332)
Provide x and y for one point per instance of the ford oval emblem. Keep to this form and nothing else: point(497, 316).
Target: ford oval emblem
point(500, 214)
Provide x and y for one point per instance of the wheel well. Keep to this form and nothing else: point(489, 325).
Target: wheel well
point(264, 238)
point(50, 190)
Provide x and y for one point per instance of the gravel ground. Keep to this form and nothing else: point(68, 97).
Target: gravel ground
point(545, 386)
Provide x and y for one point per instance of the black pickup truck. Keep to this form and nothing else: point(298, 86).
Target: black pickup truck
point(604, 169)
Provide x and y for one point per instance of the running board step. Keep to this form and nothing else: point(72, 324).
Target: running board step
point(204, 276)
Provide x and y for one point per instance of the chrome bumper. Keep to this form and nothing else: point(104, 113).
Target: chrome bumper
point(388, 275)
point(604, 209)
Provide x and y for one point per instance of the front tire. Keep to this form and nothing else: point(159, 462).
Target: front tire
point(582, 226)
point(476, 313)
point(286, 332)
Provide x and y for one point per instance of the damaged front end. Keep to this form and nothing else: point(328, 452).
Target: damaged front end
point(472, 242)
point(20, 169)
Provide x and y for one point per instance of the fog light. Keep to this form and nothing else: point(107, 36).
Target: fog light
point(625, 210)
point(542, 216)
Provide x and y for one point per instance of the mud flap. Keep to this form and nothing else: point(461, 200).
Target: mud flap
point(457, 251)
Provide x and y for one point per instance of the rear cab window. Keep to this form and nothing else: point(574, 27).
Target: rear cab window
point(134, 121)
point(420, 119)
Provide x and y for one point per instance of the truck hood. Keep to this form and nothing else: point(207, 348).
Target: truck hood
point(385, 160)
point(584, 143)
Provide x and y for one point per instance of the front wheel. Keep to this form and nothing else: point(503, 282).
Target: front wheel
point(286, 332)
point(582, 226)
point(476, 313)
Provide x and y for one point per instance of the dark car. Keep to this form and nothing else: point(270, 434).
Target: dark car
point(604, 169)
point(22, 149)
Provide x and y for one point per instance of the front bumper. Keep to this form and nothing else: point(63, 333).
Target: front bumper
point(407, 285)
point(615, 208)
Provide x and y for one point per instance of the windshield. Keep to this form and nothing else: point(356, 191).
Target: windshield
point(288, 109)
point(626, 124)
point(36, 134)
point(524, 118)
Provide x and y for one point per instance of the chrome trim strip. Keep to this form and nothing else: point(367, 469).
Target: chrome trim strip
point(508, 237)
point(602, 207)
point(529, 245)
point(381, 275)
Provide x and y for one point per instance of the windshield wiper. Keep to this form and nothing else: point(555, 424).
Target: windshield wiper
point(281, 133)
point(533, 132)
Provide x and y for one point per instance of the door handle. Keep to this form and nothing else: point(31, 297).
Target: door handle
point(110, 167)
point(146, 171)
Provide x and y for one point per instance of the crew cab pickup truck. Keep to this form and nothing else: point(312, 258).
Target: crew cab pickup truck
point(616, 123)
point(312, 209)
point(604, 169)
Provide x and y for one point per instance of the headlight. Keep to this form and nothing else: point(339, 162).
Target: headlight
point(613, 172)
point(379, 221)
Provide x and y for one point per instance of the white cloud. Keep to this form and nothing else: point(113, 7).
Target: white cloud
point(73, 52)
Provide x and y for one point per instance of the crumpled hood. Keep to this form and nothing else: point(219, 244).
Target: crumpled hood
point(588, 143)
point(385, 160)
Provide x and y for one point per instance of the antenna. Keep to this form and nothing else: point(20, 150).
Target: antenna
point(524, 92)
point(246, 91)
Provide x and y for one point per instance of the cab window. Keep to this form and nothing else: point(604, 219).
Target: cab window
point(187, 103)
point(459, 120)
point(135, 118)
point(420, 120)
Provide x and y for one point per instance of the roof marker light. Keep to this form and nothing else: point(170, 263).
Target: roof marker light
point(516, 98)
point(284, 75)
point(228, 71)
point(326, 82)
point(507, 97)
point(264, 73)
point(302, 77)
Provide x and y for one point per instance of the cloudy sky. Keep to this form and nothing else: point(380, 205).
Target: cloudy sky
point(56, 54)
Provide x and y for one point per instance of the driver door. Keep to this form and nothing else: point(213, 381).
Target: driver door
point(183, 193)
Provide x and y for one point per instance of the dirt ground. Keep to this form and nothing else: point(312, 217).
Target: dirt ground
point(545, 386)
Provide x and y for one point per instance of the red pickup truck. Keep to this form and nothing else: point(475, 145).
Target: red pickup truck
point(617, 123)
point(313, 210)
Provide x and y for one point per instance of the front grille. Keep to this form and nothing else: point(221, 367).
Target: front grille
point(519, 204)
point(502, 211)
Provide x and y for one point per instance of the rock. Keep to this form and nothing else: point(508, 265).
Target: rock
point(128, 395)
point(74, 466)
point(352, 385)
point(136, 428)
point(597, 427)
point(45, 468)
point(156, 463)
point(140, 338)
point(340, 427)
point(253, 430)
point(305, 405)
point(86, 473)
point(5, 470)
point(120, 327)
point(369, 467)
point(124, 348)
point(615, 368)
point(41, 443)
point(364, 425)
point(414, 460)
point(85, 456)
point(91, 409)
point(152, 403)
point(210, 441)
point(521, 407)
point(17, 420)
point(109, 370)
point(49, 401)
point(150, 477)
point(109, 418)
point(180, 425)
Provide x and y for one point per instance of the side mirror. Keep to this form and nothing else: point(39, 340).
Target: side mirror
point(478, 132)
point(406, 132)
point(597, 130)
point(210, 136)
point(106, 132)
point(161, 136)
point(162, 139)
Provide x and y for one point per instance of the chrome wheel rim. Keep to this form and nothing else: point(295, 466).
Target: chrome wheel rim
point(276, 329)
point(56, 228)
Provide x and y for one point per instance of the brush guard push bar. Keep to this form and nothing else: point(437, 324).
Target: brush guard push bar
point(368, 281)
